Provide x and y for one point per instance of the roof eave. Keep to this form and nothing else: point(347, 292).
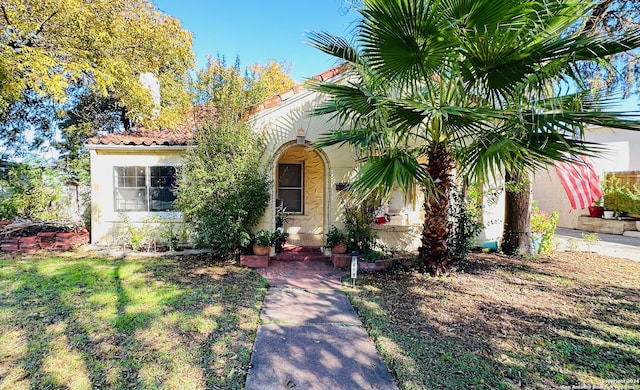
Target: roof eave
point(135, 147)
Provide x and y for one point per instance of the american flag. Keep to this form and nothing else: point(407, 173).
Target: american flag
point(580, 181)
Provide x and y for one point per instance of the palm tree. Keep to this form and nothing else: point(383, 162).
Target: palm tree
point(466, 84)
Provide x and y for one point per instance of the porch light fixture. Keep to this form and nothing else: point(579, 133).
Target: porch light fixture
point(300, 139)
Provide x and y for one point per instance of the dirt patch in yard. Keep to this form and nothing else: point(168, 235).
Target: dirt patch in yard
point(569, 319)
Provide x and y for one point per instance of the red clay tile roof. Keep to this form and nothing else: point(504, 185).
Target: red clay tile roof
point(183, 134)
point(285, 95)
point(140, 136)
point(143, 137)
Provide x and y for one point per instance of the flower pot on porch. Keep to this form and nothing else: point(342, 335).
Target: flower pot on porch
point(596, 211)
point(339, 249)
point(261, 250)
point(607, 214)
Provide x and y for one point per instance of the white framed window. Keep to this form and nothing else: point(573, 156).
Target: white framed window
point(141, 188)
point(290, 187)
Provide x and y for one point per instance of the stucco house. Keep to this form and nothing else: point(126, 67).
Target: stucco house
point(132, 173)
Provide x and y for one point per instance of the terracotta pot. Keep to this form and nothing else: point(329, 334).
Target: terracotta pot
point(339, 249)
point(261, 250)
point(596, 211)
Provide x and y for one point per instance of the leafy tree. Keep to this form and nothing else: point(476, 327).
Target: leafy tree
point(436, 85)
point(224, 190)
point(217, 81)
point(32, 192)
point(610, 18)
point(50, 49)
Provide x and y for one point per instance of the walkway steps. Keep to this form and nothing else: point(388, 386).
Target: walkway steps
point(311, 337)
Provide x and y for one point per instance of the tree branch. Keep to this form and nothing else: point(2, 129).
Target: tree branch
point(44, 22)
point(4, 13)
point(597, 16)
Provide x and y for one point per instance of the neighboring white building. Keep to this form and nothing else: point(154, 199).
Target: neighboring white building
point(621, 152)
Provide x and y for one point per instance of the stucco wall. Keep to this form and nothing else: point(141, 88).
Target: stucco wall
point(105, 221)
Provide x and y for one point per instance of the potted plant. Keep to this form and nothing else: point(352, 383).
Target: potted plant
point(621, 198)
point(336, 241)
point(279, 239)
point(262, 242)
point(596, 209)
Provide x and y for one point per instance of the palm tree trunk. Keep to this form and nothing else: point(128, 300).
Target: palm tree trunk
point(516, 238)
point(434, 255)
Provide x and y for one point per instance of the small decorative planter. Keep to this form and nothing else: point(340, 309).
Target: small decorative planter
point(607, 214)
point(261, 250)
point(339, 249)
point(596, 211)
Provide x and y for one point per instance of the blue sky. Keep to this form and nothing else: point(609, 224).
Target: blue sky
point(262, 30)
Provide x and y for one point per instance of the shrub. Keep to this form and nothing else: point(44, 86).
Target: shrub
point(223, 190)
point(544, 226)
point(466, 210)
point(621, 197)
point(358, 219)
point(32, 192)
point(334, 237)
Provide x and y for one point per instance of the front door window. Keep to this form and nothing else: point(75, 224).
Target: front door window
point(290, 189)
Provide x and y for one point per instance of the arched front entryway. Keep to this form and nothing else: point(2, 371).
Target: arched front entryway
point(300, 177)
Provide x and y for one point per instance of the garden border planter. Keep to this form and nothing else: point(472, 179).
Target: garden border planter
point(340, 260)
point(254, 261)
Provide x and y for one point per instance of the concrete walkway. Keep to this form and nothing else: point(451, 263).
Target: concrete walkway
point(310, 337)
point(608, 244)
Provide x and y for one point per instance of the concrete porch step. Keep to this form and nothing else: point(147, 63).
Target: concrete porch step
point(300, 253)
point(301, 249)
point(300, 256)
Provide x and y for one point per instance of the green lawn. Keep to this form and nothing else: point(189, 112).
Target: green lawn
point(572, 319)
point(569, 320)
point(135, 323)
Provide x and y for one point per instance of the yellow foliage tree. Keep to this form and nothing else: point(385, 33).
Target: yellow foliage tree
point(105, 45)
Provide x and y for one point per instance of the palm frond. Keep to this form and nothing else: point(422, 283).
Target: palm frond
point(405, 40)
point(381, 173)
point(335, 46)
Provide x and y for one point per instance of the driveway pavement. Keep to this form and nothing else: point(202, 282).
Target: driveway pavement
point(608, 244)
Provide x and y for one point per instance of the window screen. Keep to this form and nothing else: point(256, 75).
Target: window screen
point(161, 191)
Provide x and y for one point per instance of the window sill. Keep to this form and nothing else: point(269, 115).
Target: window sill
point(395, 228)
point(298, 217)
